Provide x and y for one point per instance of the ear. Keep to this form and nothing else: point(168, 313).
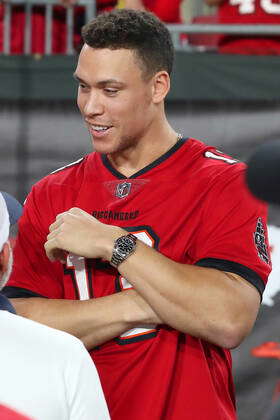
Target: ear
point(161, 86)
point(4, 258)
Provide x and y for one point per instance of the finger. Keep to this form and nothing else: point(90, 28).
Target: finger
point(54, 253)
point(77, 211)
point(53, 234)
point(60, 219)
point(55, 225)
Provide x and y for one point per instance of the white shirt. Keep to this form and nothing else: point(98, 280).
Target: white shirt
point(47, 374)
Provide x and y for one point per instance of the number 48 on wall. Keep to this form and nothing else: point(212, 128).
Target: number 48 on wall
point(249, 6)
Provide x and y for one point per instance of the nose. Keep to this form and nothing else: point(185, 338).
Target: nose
point(93, 105)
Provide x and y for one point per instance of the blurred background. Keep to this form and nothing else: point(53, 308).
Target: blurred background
point(225, 91)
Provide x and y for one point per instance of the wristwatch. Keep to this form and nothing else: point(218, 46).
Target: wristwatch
point(124, 246)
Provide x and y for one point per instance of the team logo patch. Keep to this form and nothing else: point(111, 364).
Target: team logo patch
point(123, 189)
point(260, 242)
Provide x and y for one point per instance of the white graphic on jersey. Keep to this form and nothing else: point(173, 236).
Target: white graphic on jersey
point(68, 166)
point(140, 330)
point(78, 265)
point(212, 155)
point(273, 285)
point(260, 241)
point(249, 6)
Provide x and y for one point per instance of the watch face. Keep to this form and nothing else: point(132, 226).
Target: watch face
point(124, 245)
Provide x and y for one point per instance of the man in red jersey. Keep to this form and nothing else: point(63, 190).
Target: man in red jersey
point(155, 252)
point(248, 12)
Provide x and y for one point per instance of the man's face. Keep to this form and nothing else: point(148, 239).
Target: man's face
point(114, 99)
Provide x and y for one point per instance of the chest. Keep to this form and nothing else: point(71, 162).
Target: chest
point(164, 213)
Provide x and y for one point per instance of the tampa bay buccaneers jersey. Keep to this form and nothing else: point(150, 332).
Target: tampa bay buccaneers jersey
point(192, 205)
point(250, 12)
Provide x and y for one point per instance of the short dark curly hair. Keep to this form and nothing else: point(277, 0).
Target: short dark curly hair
point(135, 30)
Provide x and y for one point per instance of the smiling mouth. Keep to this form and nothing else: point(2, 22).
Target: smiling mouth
point(99, 128)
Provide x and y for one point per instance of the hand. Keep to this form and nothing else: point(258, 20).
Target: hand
point(80, 233)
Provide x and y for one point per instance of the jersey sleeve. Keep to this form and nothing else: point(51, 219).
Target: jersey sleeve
point(33, 274)
point(232, 235)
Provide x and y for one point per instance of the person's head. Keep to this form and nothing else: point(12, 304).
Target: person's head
point(124, 72)
point(10, 211)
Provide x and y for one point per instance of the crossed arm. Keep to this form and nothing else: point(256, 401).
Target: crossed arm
point(204, 302)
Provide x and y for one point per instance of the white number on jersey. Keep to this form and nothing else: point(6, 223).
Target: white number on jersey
point(142, 330)
point(77, 264)
point(212, 155)
point(249, 6)
point(79, 273)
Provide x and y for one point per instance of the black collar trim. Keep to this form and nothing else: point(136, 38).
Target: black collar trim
point(152, 165)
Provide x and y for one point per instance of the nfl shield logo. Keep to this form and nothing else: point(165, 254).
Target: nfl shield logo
point(123, 189)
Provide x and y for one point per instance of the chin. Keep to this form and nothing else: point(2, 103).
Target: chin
point(106, 148)
point(103, 149)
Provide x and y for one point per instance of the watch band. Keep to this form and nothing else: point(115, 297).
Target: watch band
point(124, 246)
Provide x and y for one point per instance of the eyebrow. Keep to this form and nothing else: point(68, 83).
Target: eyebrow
point(101, 83)
point(76, 77)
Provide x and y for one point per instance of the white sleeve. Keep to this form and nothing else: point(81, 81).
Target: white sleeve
point(85, 396)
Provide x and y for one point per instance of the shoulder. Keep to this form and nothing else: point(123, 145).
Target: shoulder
point(38, 336)
point(208, 169)
point(67, 174)
point(60, 187)
point(209, 159)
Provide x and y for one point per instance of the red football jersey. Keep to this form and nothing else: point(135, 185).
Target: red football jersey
point(192, 205)
point(168, 11)
point(250, 12)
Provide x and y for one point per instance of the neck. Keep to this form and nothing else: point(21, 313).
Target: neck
point(144, 151)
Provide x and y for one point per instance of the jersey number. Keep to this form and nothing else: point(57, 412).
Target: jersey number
point(249, 6)
point(82, 279)
point(142, 332)
point(212, 155)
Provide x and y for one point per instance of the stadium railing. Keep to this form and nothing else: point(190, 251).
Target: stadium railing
point(233, 29)
point(90, 11)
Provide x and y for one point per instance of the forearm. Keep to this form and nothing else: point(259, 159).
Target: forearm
point(203, 302)
point(94, 321)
